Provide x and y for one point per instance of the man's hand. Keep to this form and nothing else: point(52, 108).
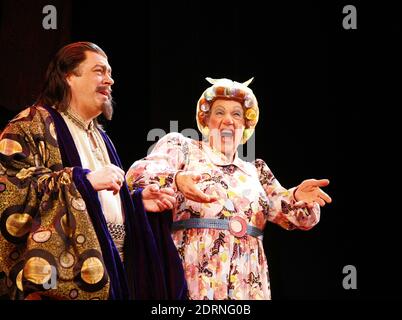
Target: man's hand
point(110, 178)
point(309, 192)
point(158, 200)
point(186, 183)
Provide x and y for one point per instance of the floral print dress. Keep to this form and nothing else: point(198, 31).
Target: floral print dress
point(217, 264)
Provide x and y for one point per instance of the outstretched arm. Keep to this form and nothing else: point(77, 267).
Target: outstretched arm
point(291, 211)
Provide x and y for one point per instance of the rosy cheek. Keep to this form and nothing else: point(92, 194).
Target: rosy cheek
point(239, 123)
point(214, 123)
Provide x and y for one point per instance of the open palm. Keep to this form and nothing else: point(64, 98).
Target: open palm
point(309, 191)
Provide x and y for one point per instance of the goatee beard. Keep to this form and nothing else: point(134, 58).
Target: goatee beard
point(107, 109)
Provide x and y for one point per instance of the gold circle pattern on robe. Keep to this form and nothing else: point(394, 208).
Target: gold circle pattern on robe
point(18, 224)
point(92, 270)
point(37, 270)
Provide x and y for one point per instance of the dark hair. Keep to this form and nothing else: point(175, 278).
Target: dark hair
point(56, 91)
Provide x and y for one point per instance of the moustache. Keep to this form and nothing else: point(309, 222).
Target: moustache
point(105, 89)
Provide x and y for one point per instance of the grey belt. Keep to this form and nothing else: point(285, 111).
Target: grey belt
point(200, 223)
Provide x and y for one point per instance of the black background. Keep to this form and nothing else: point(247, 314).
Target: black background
point(328, 103)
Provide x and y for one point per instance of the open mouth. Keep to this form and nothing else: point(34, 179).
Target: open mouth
point(105, 93)
point(226, 133)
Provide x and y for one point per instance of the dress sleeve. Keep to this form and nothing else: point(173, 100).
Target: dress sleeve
point(161, 165)
point(282, 204)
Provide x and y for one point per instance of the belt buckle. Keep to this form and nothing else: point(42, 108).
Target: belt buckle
point(237, 227)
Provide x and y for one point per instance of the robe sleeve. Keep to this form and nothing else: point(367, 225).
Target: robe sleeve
point(281, 203)
point(42, 214)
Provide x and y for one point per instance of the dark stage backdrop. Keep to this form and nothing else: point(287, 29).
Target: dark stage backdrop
point(322, 93)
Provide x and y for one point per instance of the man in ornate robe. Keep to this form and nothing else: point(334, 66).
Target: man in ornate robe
point(69, 227)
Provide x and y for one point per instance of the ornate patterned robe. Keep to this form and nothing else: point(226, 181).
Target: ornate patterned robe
point(54, 241)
